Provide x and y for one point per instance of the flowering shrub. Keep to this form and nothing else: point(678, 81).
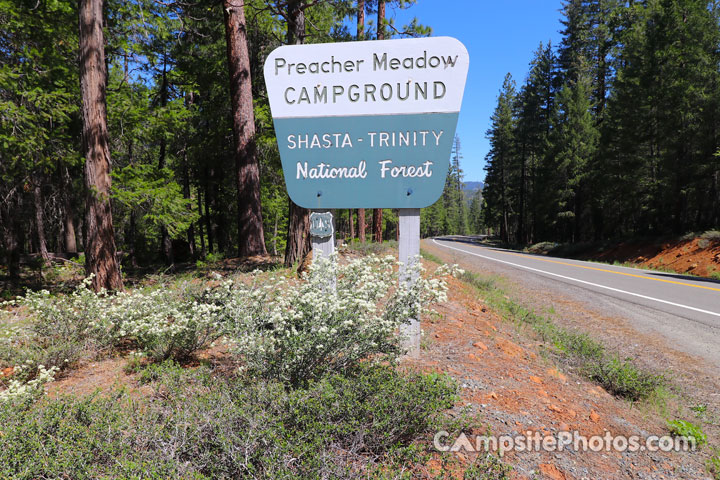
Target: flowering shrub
point(59, 331)
point(19, 390)
point(339, 316)
point(164, 323)
point(293, 331)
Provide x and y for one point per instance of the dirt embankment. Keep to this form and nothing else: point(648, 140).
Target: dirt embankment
point(514, 388)
point(697, 256)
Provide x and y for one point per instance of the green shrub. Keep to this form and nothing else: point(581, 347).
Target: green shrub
point(488, 468)
point(712, 235)
point(199, 426)
point(713, 464)
point(623, 378)
point(542, 247)
point(685, 429)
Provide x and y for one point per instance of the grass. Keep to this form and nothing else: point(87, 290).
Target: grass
point(372, 248)
point(618, 376)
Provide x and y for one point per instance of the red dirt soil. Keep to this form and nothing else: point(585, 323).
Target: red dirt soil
point(697, 256)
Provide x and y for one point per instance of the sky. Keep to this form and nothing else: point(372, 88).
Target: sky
point(501, 36)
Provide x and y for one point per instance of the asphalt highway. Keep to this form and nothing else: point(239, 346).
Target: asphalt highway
point(683, 309)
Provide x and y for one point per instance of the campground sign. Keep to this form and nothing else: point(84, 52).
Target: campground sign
point(366, 124)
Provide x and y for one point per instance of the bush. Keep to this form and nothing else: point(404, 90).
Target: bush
point(198, 426)
point(542, 247)
point(164, 323)
point(623, 378)
point(688, 430)
point(341, 315)
point(60, 330)
point(714, 464)
point(488, 468)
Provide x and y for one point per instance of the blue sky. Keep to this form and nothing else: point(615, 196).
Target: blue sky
point(501, 36)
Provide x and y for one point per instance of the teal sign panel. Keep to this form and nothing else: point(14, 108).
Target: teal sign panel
point(386, 161)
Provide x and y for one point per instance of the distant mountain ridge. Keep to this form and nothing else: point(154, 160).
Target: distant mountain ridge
point(473, 186)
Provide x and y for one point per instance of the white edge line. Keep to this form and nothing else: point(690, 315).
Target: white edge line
point(581, 281)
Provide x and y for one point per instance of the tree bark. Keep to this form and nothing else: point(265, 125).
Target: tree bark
point(298, 242)
point(251, 237)
point(203, 252)
point(377, 225)
point(208, 218)
point(351, 221)
point(361, 20)
point(298, 239)
point(40, 222)
point(69, 240)
point(377, 213)
point(381, 20)
point(100, 251)
point(165, 241)
point(361, 36)
point(9, 228)
point(361, 224)
point(186, 195)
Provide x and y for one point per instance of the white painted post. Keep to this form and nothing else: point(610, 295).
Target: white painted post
point(409, 250)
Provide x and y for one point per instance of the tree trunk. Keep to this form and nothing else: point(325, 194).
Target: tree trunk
point(377, 213)
point(298, 241)
point(381, 20)
point(203, 252)
point(298, 238)
point(251, 238)
point(69, 241)
point(100, 251)
point(186, 195)
point(351, 221)
point(295, 22)
point(361, 20)
point(208, 219)
point(361, 224)
point(377, 225)
point(9, 228)
point(165, 241)
point(40, 222)
point(275, 234)
point(360, 36)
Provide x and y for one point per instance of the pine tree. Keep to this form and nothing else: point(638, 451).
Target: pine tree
point(251, 238)
point(575, 140)
point(499, 159)
point(100, 253)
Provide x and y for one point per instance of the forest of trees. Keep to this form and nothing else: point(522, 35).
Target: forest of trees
point(140, 130)
point(615, 132)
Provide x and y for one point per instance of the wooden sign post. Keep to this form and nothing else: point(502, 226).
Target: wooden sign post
point(368, 125)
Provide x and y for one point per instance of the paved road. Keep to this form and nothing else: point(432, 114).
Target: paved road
point(685, 310)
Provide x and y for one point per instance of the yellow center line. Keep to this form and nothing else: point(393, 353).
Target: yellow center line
point(610, 271)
